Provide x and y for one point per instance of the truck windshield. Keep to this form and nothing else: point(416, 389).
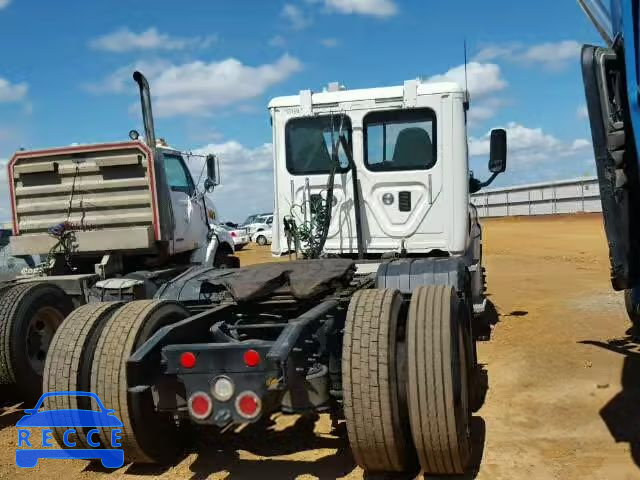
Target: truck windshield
point(599, 12)
point(308, 144)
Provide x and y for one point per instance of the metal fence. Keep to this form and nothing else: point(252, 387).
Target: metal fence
point(563, 196)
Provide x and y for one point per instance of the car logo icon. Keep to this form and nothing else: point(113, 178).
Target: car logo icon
point(70, 424)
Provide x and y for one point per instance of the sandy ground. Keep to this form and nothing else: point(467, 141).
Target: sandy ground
point(563, 376)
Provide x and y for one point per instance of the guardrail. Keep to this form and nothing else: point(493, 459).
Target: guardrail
point(563, 196)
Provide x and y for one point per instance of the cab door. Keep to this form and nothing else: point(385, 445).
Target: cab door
point(190, 229)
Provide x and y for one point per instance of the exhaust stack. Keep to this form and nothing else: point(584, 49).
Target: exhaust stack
point(147, 113)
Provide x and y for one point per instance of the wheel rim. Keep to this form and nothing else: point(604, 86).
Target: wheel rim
point(40, 332)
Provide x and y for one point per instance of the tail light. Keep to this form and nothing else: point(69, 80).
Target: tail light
point(234, 234)
point(187, 360)
point(251, 358)
point(200, 405)
point(248, 405)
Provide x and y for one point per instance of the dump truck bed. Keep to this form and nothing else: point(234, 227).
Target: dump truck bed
point(107, 192)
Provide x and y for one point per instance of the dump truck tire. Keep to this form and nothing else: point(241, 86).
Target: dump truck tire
point(68, 364)
point(30, 314)
point(376, 423)
point(437, 385)
point(146, 436)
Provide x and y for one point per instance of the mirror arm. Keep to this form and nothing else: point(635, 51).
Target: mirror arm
point(476, 185)
point(490, 180)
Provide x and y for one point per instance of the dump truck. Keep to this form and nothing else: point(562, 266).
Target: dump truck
point(107, 221)
point(372, 319)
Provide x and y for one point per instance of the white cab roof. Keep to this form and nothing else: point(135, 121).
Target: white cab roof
point(366, 94)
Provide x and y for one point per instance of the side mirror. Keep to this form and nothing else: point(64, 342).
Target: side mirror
point(498, 151)
point(212, 178)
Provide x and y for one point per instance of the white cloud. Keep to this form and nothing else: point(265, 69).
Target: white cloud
point(484, 82)
point(247, 178)
point(199, 87)
point(277, 41)
point(330, 42)
point(124, 40)
point(582, 112)
point(376, 8)
point(550, 55)
point(531, 145)
point(295, 16)
point(483, 79)
point(12, 92)
point(4, 3)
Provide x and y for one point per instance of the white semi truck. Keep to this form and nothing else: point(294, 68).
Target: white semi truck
point(108, 221)
point(376, 325)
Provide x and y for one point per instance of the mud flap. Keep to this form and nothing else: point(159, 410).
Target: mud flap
point(616, 161)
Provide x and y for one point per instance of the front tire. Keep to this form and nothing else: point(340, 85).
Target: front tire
point(261, 240)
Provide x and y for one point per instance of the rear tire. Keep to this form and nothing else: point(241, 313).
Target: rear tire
point(261, 240)
point(379, 438)
point(68, 365)
point(146, 436)
point(30, 314)
point(438, 380)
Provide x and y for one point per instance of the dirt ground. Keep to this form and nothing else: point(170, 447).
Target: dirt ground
point(563, 379)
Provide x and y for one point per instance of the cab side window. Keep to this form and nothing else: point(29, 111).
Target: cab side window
point(178, 177)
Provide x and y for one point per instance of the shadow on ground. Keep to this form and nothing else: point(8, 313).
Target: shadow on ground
point(218, 453)
point(622, 413)
point(490, 317)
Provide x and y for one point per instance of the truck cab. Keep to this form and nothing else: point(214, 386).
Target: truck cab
point(409, 151)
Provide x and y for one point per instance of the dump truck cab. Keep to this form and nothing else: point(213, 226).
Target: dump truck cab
point(409, 150)
point(111, 221)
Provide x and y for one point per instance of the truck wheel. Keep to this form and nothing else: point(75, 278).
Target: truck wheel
point(30, 314)
point(379, 438)
point(438, 380)
point(224, 259)
point(632, 304)
point(261, 240)
point(147, 436)
point(68, 365)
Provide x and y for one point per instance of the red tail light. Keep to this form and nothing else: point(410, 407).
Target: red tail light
point(248, 405)
point(234, 234)
point(188, 360)
point(200, 405)
point(251, 358)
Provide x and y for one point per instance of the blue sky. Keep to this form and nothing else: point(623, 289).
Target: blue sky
point(65, 74)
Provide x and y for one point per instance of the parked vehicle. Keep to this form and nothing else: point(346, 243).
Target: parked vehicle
point(239, 236)
point(263, 237)
point(109, 221)
point(259, 223)
point(376, 324)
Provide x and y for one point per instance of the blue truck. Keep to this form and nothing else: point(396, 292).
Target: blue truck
point(611, 82)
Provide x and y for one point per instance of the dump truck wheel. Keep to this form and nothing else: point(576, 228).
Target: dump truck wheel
point(376, 423)
point(30, 314)
point(146, 436)
point(68, 365)
point(438, 380)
